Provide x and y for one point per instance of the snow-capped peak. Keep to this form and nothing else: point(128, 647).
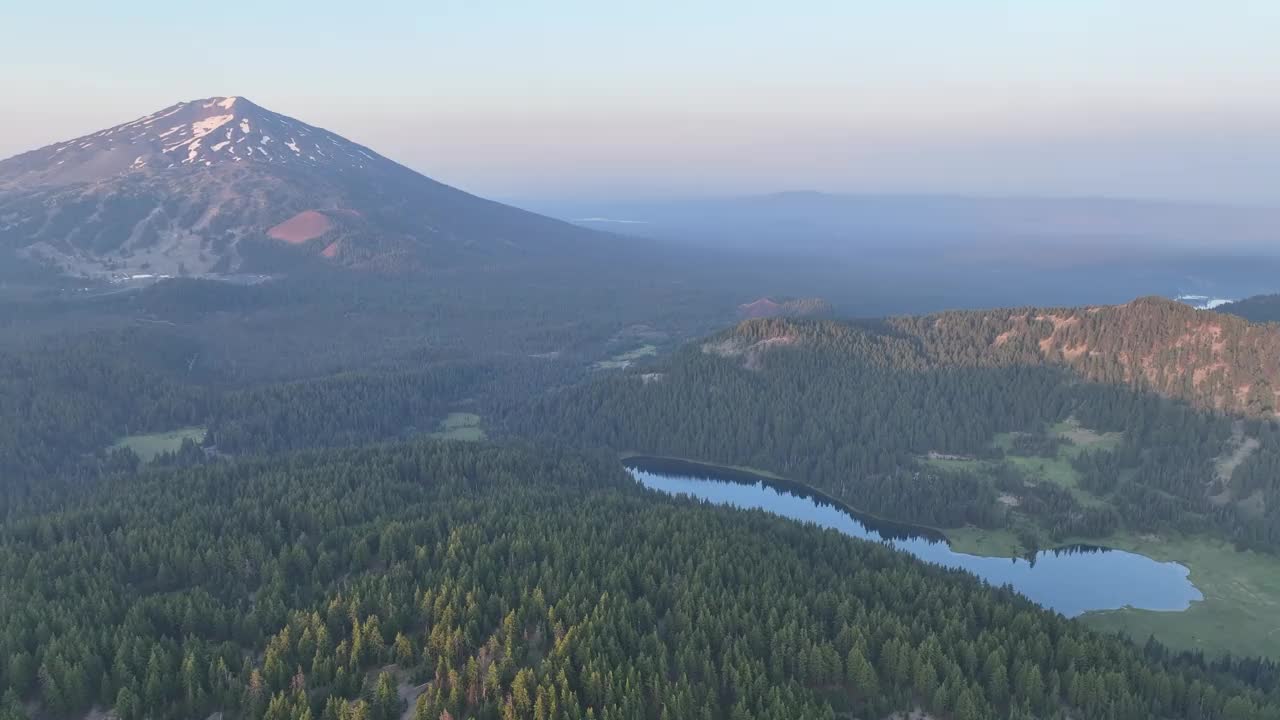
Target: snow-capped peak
point(200, 133)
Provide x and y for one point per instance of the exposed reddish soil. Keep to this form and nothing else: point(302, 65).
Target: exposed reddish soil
point(306, 225)
point(331, 251)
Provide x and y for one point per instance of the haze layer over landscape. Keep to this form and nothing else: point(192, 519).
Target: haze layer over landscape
point(1148, 99)
point(721, 361)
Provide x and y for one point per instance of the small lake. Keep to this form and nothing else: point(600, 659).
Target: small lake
point(1071, 581)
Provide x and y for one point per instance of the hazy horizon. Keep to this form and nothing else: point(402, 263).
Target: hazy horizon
point(1151, 100)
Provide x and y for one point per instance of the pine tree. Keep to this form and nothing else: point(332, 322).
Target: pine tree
point(386, 702)
point(127, 705)
point(861, 674)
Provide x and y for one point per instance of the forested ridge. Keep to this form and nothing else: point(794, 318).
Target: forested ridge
point(854, 408)
point(1259, 308)
point(504, 582)
point(1212, 361)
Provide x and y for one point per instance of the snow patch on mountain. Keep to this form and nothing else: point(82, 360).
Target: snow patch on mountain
point(175, 137)
point(203, 127)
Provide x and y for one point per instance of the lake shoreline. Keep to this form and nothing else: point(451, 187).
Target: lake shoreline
point(1073, 580)
point(676, 465)
point(1236, 612)
point(797, 487)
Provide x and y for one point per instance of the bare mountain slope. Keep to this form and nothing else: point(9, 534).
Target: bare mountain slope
point(223, 185)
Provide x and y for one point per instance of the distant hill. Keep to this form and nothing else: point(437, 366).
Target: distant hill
point(222, 185)
point(818, 220)
point(938, 251)
point(784, 307)
point(1259, 308)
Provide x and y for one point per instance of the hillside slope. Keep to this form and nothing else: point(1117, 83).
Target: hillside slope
point(1062, 422)
point(1211, 361)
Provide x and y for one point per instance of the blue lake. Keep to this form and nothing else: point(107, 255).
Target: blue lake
point(1072, 580)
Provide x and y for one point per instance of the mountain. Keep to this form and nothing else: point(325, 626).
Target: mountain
point(222, 185)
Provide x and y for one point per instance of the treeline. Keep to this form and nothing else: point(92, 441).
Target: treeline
point(488, 582)
point(851, 408)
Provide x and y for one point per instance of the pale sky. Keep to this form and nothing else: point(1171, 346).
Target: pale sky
point(576, 98)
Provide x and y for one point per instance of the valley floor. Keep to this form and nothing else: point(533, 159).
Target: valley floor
point(1240, 613)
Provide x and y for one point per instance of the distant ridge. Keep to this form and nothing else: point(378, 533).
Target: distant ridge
point(1259, 308)
point(794, 307)
point(807, 220)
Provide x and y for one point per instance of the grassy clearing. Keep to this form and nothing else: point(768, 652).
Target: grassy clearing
point(1057, 471)
point(974, 466)
point(1240, 612)
point(460, 426)
point(147, 447)
point(626, 359)
point(972, 540)
point(1083, 438)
